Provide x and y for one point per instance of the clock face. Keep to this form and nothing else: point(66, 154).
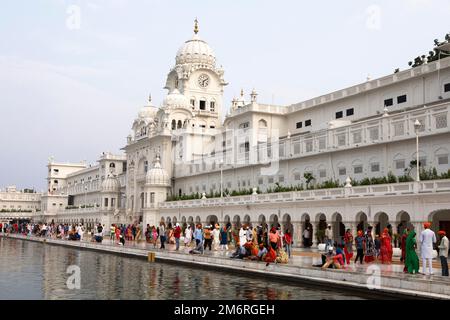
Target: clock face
point(203, 80)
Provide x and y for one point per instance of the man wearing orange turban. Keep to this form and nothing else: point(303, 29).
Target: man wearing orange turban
point(427, 238)
point(443, 252)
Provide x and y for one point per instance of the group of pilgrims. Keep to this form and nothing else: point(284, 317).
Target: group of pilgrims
point(257, 243)
point(380, 249)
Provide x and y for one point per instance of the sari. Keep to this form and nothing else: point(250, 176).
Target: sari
point(386, 247)
point(411, 260)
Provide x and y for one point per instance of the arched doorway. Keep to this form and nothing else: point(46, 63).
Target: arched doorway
point(361, 222)
point(382, 221)
point(212, 220)
point(198, 220)
point(308, 236)
point(440, 220)
point(287, 224)
point(273, 221)
point(321, 220)
point(237, 221)
point(338, 228)
point(190, 222)
point(247, 221)
point(226, 220)
point(404, 221)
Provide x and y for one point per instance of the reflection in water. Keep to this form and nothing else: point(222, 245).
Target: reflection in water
point(30, 270)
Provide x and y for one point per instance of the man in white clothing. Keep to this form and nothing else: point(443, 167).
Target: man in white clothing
point(427, 238)
point(242, 237)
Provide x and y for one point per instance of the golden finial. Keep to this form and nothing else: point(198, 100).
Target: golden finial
point(196, 26)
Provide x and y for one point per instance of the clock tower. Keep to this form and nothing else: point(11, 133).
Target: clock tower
point(196, 76)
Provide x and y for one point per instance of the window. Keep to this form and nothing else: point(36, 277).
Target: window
point(358, 169)
point(193, 102)
point(106, 202)
point(145, 166)
point(260, 181)
point(212, 106)
point(270, 180)
point(113, 202)
point(152, 196)
point(322, 143)
point(399, 129)
point(309, 146)
point(400, 164)
point(307, 123)
point(357, 138)
point(441, 121)
point(55, 170)
point(322, 173)
point(228, 185)
point(243, 183)
point(202, 126)
point(375, 167)
point(297, 177)
point(342, 171)
point(202, 105)
point(341, 139)
point(299, 125)
point(443, 159)
point(447, 87)
point(280, 178)
point(296, 147)
point(212, 127)
point(244, 125)
point(350, 112)
point(401, 99)
point(339, 114)
point(374, 134)
point(56, 181)
point(388, 102)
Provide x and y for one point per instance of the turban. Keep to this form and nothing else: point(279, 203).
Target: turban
point(442, 233)
point(360, 233)
point(427, 225)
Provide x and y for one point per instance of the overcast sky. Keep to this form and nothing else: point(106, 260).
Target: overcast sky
point(74, 73)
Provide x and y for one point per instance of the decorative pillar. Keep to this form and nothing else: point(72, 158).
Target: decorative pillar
point(315, 242)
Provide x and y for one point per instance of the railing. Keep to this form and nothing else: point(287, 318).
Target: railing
point(320, 194)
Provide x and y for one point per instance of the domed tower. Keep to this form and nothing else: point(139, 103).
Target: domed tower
point(110, 195)
point(197, 77)
point(157, 186)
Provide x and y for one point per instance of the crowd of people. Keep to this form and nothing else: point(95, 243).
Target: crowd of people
point(258, 243)
point(380, 249)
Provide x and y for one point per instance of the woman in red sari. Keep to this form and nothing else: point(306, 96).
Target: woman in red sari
point(348, 248)
point(386, 247)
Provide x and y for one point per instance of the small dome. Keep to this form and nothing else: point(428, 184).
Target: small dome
point(157, 176)
point(111, 184)
point(196, 51)
point(176, 100)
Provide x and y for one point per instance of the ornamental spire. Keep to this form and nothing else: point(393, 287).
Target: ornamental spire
point(195, 26)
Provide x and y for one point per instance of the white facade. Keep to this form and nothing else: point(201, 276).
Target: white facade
point(18, 203)
point(364, 131)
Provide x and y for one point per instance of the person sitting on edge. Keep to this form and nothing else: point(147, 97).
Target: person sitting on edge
point(333, 259)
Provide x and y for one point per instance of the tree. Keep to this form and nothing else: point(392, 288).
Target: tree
point(308, 177)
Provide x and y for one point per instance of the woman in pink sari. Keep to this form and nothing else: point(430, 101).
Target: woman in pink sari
point(386, 247)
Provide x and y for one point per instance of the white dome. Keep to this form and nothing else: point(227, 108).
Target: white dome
point(196, 51)
point(157, 176)
point(111, 184)
point(176, 100)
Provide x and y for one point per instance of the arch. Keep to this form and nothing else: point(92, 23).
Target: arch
point(273, 221)
point(440, 220)
point(338, 227)
point(381, 221)
point(247, 220)
point(237, 221)
point(226, 219)
point(361, 221)
point(212, 220)
point(198, 219)
point(262, 123)
point(174, 124)
point(179, 124)
point(307, 237)
point(174, 220)
point(404, 221)
point(286, 221)
point(321, 225)
point(262, 219)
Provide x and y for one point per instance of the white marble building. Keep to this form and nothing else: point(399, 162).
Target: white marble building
point(187, 146)
point(18, 204)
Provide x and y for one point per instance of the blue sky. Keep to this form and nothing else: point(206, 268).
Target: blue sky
point(71, 90)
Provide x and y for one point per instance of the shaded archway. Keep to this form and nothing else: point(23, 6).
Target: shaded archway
point(381, 222)
point(321, 225)
point(273, 221)
point(404, 221)
point(190, 221)
point(307, 236)
point(361, 221)
point(227, 220)
point(237, 221)
point(247, 220)
point(212, 220)
point(338, 228)
point(198, 220)
point(440, 220)
point(286, 222)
